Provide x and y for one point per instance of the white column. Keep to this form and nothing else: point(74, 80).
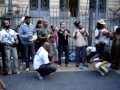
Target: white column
point(54, 8)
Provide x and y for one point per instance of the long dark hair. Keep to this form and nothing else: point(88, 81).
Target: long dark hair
point(39, 22)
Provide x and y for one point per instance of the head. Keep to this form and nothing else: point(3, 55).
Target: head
point(46, 46)
point(39, 24)
point(101, 24)
point(76, 23)
point(6, 24)
point(62, 25)
point(118, 31)
point(27, 20)
point(45, 23)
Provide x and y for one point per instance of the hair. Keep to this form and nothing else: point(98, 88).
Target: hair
point(52, 26)
point(3, 23)
point(61, 23)
point(118, 31)
point(39, 22)
point(77, 23)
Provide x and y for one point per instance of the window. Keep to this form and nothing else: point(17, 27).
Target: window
point(45, 4)
point(33, 4)
point(2, 1)
point(64, 5)
point(102, 5)
point(93, 4)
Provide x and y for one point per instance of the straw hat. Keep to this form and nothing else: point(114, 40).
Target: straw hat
point(101, 21)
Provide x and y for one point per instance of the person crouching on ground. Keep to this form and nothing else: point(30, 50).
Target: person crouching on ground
point(101, 63)
point(41, 62)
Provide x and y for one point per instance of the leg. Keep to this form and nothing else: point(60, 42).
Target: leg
point(26, 56)
point(66, 55)
point(32, 51)
point(3, 59)
point(45, 70)
point(77, 56)
point(8, 60)
point(55, 49)
point(84, 55)
point(60, 52)
point(15, 58)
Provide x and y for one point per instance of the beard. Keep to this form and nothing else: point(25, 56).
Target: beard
point(7, 27)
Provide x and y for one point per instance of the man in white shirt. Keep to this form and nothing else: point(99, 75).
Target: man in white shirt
point(41, 62)
point(9, 40)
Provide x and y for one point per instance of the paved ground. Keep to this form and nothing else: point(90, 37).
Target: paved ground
point(87, 80)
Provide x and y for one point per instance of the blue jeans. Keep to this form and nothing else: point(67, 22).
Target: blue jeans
point(11, 51)
point(61, 49)
point(81, 55)
point(29, 52)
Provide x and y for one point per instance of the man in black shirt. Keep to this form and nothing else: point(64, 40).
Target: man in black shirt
point(63, 34)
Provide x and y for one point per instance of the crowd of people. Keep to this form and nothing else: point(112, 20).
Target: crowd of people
point(44, 45)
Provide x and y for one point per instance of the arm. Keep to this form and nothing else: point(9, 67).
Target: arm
point(95, 56)
point(21, 33)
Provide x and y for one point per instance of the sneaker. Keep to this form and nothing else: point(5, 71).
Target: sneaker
point(9, 72)
point(27, 70)
point(85, 65)
point(39, 76)
point(58, 66)
point(17, 72)
point(67, 65)
point(77, 65)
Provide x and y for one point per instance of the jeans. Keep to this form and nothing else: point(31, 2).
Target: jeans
point(45, 70)
point(61, 49)
point(29, 51)
point(3, 57)
point(81, 55)
point(9, 50)
point(55, 50)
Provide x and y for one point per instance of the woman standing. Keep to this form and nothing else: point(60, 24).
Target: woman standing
point(39, 27)
point(54, 40)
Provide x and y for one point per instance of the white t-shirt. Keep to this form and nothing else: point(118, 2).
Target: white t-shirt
point(102, 38)
point(8, 36)
point(40, 58)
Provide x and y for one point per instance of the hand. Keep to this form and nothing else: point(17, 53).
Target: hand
point(82, 31)
point(48, 36)
point(91, 60)
point(30, 36)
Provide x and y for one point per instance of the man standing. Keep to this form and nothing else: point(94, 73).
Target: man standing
point(27, 35)
point(8, 38)
point(41, 63)
point(63, 34)
point(80, 35)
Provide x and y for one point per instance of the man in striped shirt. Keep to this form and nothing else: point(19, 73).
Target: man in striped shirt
point(27, 35)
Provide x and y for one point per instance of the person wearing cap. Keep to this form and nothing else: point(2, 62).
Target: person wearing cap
point(28, 35)
point(102, 39)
